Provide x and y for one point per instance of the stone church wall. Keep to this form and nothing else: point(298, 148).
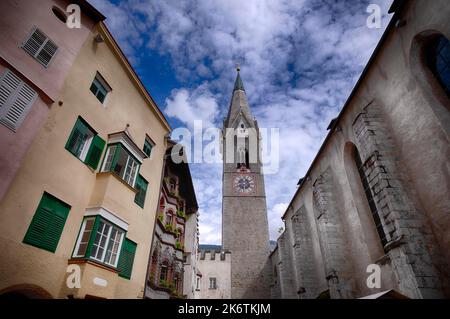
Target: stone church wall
point(397, 118)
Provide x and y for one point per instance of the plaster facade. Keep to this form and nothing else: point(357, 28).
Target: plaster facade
point(49, 167)
point(19, 19)
point(214, 265)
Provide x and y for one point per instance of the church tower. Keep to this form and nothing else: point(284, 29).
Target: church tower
point(245, 230)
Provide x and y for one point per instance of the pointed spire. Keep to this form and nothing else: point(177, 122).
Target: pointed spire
point(239, 104)
point(238, 85)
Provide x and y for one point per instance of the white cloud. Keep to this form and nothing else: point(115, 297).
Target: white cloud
point(189, 105)
point(299, 62)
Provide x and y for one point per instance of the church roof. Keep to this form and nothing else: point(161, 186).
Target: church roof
point(238, 85)
point(239, 103)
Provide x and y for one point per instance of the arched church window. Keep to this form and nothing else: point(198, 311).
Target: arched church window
point(438, 59)
point(247, 159)
point(370, 199)
point(241, 157)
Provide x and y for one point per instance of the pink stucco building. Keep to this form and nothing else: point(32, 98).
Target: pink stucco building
point(37, 49)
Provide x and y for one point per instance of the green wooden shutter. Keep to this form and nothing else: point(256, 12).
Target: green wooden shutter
point(95, 152)
point(141, 186)
point(47, 224)
point(79, 131)
point(126, 259)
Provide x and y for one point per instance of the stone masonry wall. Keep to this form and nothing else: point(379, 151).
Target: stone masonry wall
point(332, 238)
point(286, 272)
point(303, 257)
point(411, 247)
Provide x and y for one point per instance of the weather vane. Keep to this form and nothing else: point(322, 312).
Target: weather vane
point(238, 67)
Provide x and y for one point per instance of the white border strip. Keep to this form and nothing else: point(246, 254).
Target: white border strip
point(108, 215)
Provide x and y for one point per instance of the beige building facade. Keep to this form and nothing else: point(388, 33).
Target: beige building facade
point(79, 214)
point(214, 277)
point(377, 192)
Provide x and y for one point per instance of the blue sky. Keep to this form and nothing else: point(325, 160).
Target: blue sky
point(299, 62)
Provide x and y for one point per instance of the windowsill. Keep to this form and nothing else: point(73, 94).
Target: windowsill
point(118, 178)
point(76, 260)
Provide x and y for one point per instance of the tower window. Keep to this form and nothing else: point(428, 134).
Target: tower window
point(370, 199)
point(212, 283)
point(438, 58)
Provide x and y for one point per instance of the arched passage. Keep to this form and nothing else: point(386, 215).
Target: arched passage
point(25, 291)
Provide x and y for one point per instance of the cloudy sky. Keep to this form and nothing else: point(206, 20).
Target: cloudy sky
point(299, 62)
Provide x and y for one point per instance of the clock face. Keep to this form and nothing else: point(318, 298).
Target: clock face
point(244, 184)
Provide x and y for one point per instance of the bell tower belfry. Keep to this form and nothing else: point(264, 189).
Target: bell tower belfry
point(245, 229)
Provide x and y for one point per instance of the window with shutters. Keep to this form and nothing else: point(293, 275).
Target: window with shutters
point(148, 146)
point(40, 47)
point(120, 161)
point(16, 99)
point(85, 144)
point(99, 240)
point(100, 88)
point(141, 186)
point(47, 224)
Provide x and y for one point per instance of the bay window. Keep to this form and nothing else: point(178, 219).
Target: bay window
point(99, 240)
point(120, 161)
point(102, 240)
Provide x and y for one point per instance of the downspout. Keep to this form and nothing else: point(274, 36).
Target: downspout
point(166, 137)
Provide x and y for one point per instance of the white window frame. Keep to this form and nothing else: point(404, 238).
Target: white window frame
point(149, 141)
point(86, 146)
point(108, 237)
point(121, 232)
point(108, 151)
point(105, 86)
point(80, 236)
point(135, 167)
